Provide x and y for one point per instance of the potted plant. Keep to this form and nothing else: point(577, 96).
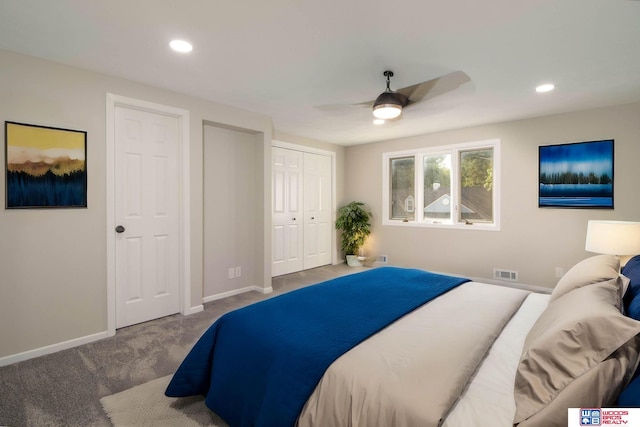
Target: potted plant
point(353, 221)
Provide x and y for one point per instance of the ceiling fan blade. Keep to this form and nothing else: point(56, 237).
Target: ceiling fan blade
point(416, 93)
point(435, 87)
point(337, 107)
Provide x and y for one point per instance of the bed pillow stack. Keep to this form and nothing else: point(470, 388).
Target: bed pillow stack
point(581, 351)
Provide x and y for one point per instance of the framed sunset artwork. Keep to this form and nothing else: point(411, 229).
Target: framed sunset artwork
point(46, 167)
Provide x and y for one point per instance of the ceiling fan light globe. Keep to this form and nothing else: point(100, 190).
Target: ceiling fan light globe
point(387, 111)
point(389, 105)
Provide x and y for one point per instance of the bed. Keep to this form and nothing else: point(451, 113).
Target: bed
point(404, 347)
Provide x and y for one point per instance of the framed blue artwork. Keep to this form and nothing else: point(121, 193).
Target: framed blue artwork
point(576, 175)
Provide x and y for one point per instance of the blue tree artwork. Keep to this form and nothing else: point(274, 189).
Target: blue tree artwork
point(576, 175)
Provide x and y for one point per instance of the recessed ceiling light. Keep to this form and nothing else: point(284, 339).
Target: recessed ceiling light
point(181, 46)
point(378, 121)
point(547, 87)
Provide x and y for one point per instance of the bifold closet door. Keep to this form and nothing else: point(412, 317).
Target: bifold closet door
point(287, 220)
point(317, 210)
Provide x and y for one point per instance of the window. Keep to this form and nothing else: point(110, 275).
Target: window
point(437, 187)
point(476, 185)
point(452, 186)
point(402, 204)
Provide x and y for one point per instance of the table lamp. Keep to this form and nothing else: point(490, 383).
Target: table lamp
point(621, 238)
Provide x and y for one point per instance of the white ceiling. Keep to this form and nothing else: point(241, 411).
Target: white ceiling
point(284, 58)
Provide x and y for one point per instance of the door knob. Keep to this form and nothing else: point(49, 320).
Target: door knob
point(119, 229)
point(313, 217)
point(294, 218)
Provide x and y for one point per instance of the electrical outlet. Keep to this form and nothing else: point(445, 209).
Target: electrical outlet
point(383, 259)
point(232, 273)
point(238, 271)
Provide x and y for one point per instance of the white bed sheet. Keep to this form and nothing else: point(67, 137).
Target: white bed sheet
point(488, 400)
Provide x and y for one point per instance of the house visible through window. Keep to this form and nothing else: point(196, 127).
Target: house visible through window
point(451, 186)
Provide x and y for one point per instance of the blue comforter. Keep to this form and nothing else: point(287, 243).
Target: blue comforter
point(258, 365)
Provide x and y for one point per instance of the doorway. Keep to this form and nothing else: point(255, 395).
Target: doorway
point(147, 211)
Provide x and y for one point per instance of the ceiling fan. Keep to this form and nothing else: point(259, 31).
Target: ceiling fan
point(390, 104)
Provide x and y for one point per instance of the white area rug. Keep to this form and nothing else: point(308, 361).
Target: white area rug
point(146, 405)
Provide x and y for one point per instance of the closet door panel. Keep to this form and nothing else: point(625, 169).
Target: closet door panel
point(287, 172)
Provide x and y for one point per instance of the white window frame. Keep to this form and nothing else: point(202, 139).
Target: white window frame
point(454, 150)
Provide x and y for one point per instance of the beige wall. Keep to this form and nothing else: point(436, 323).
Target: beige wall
point(232, 214)
point(53, 285)
point(532, 241)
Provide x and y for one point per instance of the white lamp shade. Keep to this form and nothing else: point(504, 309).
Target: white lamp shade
point(613, 237)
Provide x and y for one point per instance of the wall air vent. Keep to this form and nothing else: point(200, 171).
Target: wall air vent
point(501, 274)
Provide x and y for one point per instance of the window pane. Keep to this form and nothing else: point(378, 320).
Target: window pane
point(476, 185)
point(437, 187)
point(402, 192)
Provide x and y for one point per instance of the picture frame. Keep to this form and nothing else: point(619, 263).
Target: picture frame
point(576, 175)
point(46, 167)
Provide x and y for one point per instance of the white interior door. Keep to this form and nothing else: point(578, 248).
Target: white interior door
point(317, 210)
point(287, 233)
point(147, 258)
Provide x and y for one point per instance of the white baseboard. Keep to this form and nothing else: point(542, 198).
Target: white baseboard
point(517, 285)
point(193, 310)
point(53, 348)
point(262, 290)
point(237, 292)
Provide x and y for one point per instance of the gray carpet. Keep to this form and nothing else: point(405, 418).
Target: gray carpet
point(65, 388)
